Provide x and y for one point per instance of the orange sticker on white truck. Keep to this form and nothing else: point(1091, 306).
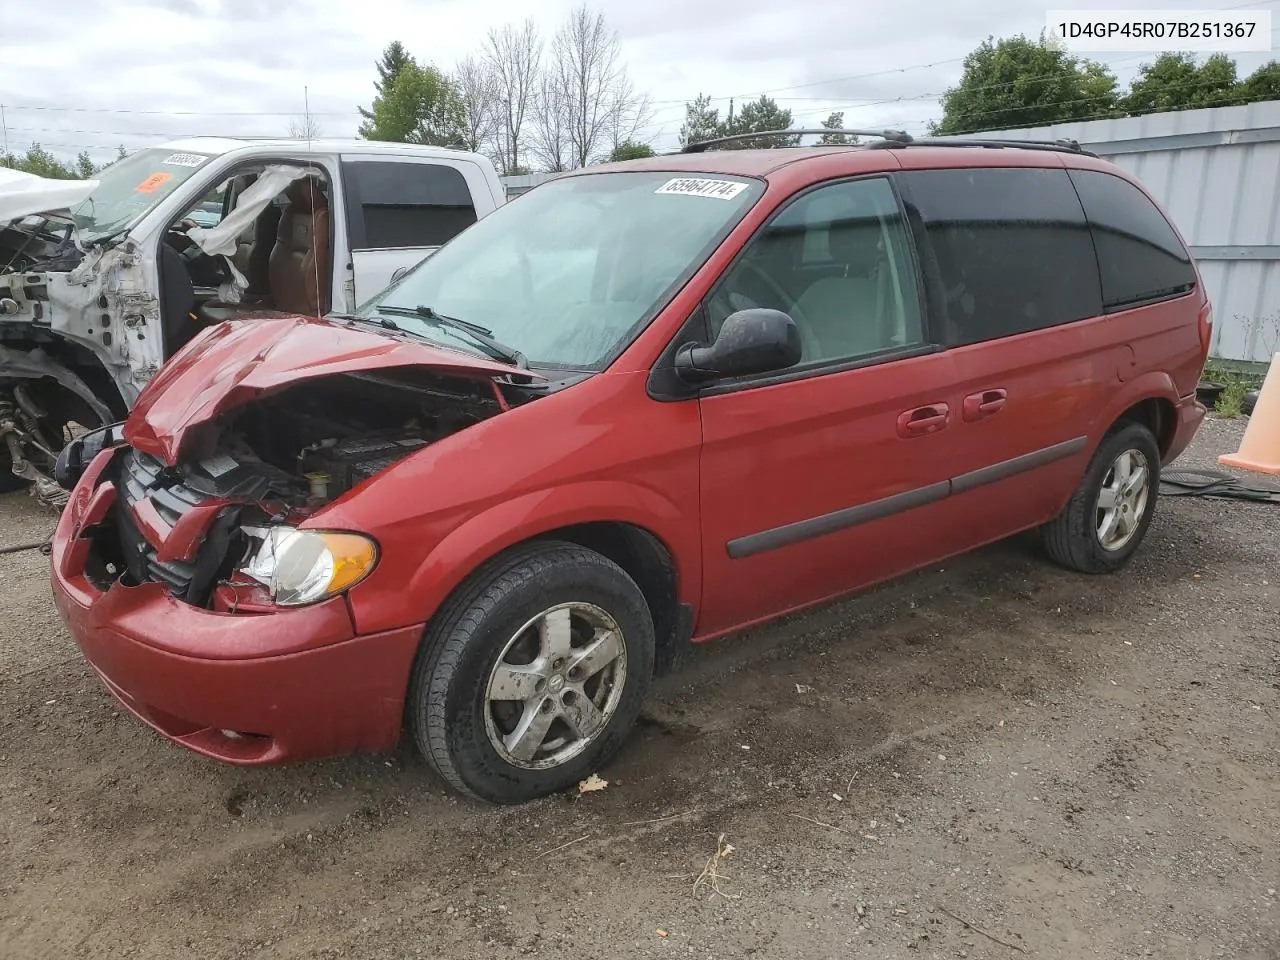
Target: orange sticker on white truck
point(153, 183)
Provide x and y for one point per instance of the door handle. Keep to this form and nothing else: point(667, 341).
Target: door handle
point(984, 404)
point(923, 420)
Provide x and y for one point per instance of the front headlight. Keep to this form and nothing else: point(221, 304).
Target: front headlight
point(303, 566)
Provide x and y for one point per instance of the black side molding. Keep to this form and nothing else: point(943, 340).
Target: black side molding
point(839, 520)
point(827, 523)
point(1010, 468)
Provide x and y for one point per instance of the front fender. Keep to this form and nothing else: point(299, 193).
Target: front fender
point(509, 522)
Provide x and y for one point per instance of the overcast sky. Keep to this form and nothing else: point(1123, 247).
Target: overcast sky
point(107, 72)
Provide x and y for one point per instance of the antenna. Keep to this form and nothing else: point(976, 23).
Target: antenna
point(311, 185)
point(5, 126)
point(306, 116)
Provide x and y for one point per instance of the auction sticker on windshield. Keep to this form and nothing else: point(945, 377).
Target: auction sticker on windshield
point(185, 159)
point(699, 187)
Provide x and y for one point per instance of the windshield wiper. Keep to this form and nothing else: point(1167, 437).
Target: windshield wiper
point(383, 322)
point(482, 335)
point(109, 237)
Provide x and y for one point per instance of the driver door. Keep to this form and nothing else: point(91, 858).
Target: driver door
point(832, 474)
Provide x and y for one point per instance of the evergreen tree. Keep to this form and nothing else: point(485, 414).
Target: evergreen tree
point(394, 59)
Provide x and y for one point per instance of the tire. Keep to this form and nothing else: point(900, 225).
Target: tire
point(506, 611)
point(1076, 538)
point(9, 481)
point(61, 407)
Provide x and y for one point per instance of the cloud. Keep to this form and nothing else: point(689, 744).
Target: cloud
point(139, 71)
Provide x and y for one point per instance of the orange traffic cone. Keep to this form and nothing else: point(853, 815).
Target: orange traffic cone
point(1260, 449)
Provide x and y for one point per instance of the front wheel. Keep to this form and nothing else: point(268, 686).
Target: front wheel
point(1107, 517)
point(531, 676)
point(38, 418)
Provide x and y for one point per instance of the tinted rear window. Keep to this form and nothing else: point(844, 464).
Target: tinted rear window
point(1009, 250)
point(407, 204)
point(1139, 254)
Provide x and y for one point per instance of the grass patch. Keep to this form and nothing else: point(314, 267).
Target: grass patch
point(1230, 400)
point(1234, 386)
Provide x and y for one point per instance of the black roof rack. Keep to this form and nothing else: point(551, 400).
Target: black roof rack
point(894, 139)
point(891, 137)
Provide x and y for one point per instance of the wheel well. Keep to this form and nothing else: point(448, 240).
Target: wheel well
point(87, 367)
point(1157, 415)
point(649, 563)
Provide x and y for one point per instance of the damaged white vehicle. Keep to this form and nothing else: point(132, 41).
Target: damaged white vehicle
point(102, 280)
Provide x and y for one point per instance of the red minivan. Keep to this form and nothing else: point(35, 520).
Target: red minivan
point(645, 403)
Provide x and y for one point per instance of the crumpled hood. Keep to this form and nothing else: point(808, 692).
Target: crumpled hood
point(22, 194)
point(236, 362)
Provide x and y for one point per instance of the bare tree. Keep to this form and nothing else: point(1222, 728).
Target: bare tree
point(629, 113)
point(514, 54)
point(477, 85)
point(305, 127)
point(593, 88)
point(549, 141)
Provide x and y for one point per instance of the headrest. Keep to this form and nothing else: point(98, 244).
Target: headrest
point(857, 242)
point(306, 194)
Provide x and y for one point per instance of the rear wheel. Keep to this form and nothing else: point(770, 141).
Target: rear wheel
point(531, 676)
point(1108, 516)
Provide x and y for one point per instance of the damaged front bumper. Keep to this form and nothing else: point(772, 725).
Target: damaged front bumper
point(260, 685)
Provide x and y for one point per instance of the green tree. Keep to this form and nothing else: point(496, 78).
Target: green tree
point(394, 59)
point(85, 167)
point(630, 150)
point(1263, 83)
point(40, 162)
point(701, 121)
point(835, 121)
point(421, 105)
point(1174, 81)
point(1016, 82)
point(759, 116)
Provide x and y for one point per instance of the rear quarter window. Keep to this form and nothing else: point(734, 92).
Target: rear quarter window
point(1139, 254)
point(1008, 250)
point(401, 205)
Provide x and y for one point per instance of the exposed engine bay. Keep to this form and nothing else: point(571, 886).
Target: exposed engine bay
point(34, 244)
point(275, 461)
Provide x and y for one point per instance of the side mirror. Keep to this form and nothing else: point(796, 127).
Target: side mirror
point(751, 341)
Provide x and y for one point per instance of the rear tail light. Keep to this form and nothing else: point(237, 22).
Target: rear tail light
point(1205, 324)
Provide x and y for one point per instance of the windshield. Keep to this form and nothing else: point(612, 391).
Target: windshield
point(130, 187)
point(570, 272)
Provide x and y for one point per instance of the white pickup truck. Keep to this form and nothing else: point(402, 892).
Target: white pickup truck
point(102, 280)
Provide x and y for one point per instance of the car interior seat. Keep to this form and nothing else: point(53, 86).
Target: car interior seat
point(253, 252)
point(848, 315)
point(257, 258)
point(298, 266)
point(177, 299)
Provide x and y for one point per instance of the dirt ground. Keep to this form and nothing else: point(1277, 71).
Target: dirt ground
point(991, 751)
